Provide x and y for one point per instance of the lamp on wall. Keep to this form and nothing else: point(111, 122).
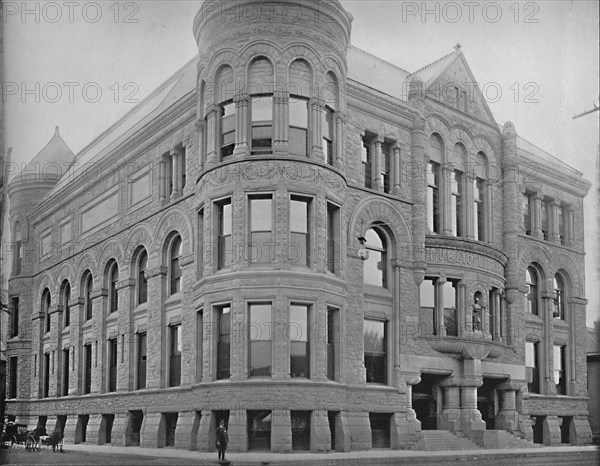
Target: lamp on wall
point(362, 251)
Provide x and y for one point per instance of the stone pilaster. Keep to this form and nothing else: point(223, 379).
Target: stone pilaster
point(320, 434)
point(281, 431)
point(508, 416)
point(340, 120)
point(150, 434)
point(125, 337)
point(280, 123)
point(156, 331)
point(237, 431)
point(93, 430)
point(188, 324)
point(212, 113)
point(118, 437)
point(201, 129)
point(185, 436)
point(242, 147)
point(316, 115)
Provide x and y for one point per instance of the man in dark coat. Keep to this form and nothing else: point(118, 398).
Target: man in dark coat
point(222, 440)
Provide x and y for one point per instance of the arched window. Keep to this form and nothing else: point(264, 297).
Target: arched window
point(375, 266)
point(227, 111)
point(174, 273)
point(18, 248)
point(142, 280)
point(436, 158)
point(112, 277)
point(86, 289)
point(559, 300)
point(331, 95)
point(65, 297)
point(46, 309)
point(532, 280)
point(260, 88)
point(300, 84)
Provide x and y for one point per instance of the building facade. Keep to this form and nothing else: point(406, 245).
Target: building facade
point(325, 250)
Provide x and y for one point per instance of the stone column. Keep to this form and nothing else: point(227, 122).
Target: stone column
point(376, 165)
point(281, 431)
point(410, 424)
point(204, 442)
point(462, 321)
point(212, 114)
point(150, 433)
point(242, 147)
point(508, 416)
point(548, 387)
point(75, 350)
point(450, 416)
point(536, 218)
point(488, 218)
point(316, 114)
point(125, 338)
point(338, 142)
point(320, 435)
point(162, 180)
point(396, 169)
point(55, 347)
point(468, 205)
point(99, 297)
point(440, 327)
point(551, 427)
point(201, 128)
point(118, 437)
point(185, 437)
point(156, 338)
point(553, 225)
point(280, 123)
point(92, 432)
point(445, 191)
point(176, 164)
point(471, 380)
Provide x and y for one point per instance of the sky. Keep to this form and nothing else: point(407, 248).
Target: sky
point(82, 65)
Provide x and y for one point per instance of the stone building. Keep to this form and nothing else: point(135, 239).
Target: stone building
point(321, 248)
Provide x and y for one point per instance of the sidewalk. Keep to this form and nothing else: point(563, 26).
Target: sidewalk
point(369, 457)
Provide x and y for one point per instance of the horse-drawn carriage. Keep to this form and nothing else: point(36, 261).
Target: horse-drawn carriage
point(16, 436)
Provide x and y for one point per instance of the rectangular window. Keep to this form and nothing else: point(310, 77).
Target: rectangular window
point(224, 342)
point(299, 341)
point(478, 214)
point(261, 229)
point(380, 429)
point(327, 131)
point(375, 351)
point(427, 307)
point(560, 376)
point(259, 336)
point(112, 365)
point(228, 117)
point(65, 373)
point(170, 427)
point(262, 124)
point(433, 201)
point(12, 377)
point(527, 214)
point(141, 360)
point(199, 344)
point(225, 228)
point(367, 161)
point(175, 356)
point(450, 317)
point(386, 166)
point(333, 338)
point(298, 135)
point(298, 251)
point(201, 245)
point(87, 372)
point(333, 228)
point(456, 201)
point(18, 256)
point(300, 421)
point(545, 208)
point(532, 366)
point(561, 225)
point(14, 317)
point(46, 375)
point(259, 430)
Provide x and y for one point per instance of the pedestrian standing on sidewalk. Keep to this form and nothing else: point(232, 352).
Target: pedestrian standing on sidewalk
point(222, 440)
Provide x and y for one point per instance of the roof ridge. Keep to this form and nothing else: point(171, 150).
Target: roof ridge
point(431, 64)
point(378, 58)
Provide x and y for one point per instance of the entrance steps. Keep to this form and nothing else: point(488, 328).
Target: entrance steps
point(443, 440)
point(505, 439)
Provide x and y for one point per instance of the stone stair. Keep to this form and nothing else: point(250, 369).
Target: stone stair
point(508, 440)
point(443, 440)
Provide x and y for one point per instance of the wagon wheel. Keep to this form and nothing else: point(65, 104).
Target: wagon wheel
point(31, 443)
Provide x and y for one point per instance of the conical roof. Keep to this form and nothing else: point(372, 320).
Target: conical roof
point(49, 164)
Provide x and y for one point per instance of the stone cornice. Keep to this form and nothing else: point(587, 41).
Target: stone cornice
point(127, 151)
point(362, 93)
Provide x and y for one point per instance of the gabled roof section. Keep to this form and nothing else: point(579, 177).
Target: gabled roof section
point(173, 89)
point(376, 73)
point(453, 69)
point(431, 72)
point(53, 159)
